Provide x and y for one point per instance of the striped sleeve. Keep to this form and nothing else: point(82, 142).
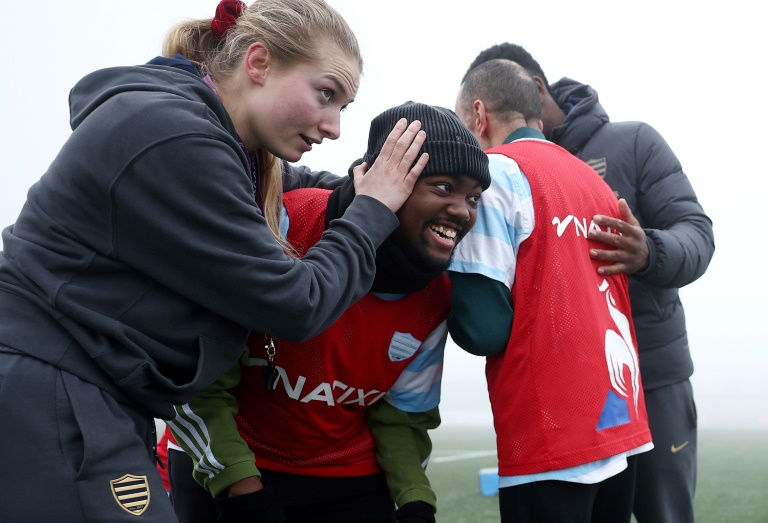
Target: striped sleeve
point(418, 387)
point(504, 220)
point(207, 431)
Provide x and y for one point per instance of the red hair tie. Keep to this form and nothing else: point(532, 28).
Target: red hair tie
point(227, 13)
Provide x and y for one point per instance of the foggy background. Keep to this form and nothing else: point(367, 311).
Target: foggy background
point(693, 72)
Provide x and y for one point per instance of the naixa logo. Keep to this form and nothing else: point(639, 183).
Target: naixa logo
point(579, 226)
point(131, 493)
point(333, 394)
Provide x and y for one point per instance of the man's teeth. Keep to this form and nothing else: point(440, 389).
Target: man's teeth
point(443, 232)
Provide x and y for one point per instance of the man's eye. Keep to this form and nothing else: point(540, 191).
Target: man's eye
point(444, 186)
point(327, 93)
point(475, 198)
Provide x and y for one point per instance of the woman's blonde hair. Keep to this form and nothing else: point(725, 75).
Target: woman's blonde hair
point(293, 31)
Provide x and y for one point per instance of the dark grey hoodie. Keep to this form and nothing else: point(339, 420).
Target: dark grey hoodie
point(140, 260)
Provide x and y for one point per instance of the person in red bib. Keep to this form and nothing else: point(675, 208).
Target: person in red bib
point(669, 246)
point(562, 366)
point(337, 425)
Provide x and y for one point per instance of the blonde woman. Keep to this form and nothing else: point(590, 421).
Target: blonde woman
point(149, 249)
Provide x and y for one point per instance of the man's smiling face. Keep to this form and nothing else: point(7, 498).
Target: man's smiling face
point(439, 212)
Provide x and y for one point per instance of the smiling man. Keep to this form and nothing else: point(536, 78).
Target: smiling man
point(338, 424)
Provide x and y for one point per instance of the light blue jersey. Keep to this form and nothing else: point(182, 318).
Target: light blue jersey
point(504, 220)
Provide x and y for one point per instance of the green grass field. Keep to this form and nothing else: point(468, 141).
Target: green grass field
point(732, 479)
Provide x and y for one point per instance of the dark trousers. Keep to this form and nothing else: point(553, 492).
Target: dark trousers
point(609, 501)
point(666, 476)
point(304, 499)
point(191, 502)
point(70, 452)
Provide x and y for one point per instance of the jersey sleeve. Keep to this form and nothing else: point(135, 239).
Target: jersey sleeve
point(207, 431)
point(400, 422)
point(418, 387)
point(403, 447)
point(504, 220)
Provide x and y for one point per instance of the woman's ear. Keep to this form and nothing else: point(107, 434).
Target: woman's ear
point(257, 60)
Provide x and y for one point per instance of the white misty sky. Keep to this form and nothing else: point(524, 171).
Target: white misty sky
point(690, 71)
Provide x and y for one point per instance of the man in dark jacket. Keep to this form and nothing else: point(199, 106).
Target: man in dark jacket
point(666, 242)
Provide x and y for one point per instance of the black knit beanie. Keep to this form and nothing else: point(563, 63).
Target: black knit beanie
point(451, 147)
point(400, 267)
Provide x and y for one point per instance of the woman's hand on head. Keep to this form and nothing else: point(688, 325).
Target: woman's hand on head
point(392, 176)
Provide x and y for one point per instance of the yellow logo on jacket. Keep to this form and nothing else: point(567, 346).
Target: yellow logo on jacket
point(600, 165)
point(131, 493)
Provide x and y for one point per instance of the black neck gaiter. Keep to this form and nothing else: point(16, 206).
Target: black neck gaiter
point(400, 268)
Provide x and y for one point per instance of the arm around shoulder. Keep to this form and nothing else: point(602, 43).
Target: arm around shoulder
point(680, 235)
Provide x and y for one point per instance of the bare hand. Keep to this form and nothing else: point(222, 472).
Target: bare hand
point(245, 486)
point(631, 253)
point(392, 176)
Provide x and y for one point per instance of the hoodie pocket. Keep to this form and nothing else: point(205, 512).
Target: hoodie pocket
point(149, 387)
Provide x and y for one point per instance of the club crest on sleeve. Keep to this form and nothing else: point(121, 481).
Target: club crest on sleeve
point(600, 165)
point(131, 493)
point(402, 346)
